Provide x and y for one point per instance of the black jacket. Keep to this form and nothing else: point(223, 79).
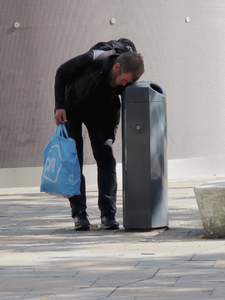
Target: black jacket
point(103, 105)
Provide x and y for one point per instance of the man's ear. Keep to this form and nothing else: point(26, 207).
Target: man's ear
point(116, 67)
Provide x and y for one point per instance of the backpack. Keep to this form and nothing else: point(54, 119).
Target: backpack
point(84, 86)
point(120, 46)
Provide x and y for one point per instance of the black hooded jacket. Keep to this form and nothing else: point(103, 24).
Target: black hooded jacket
point(103, 105)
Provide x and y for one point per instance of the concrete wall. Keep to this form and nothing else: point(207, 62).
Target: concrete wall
point(184, 56)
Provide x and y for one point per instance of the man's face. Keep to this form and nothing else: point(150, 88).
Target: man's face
point(116, 78)
point(124, 79)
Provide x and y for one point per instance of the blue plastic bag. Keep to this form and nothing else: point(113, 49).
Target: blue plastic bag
point(61, 169)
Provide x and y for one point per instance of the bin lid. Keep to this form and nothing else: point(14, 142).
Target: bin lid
point(144, 91)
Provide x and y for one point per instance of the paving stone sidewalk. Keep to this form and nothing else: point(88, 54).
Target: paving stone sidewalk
point(43, 258)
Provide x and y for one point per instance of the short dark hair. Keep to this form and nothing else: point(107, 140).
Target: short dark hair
point(131, 62)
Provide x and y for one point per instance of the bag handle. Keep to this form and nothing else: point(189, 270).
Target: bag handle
point(61, 130)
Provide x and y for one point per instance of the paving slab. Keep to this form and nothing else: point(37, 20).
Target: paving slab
point(43, 257)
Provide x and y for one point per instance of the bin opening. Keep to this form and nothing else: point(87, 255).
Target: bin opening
point(156, 88)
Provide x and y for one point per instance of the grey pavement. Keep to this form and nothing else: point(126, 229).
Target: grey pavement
point(43, 257)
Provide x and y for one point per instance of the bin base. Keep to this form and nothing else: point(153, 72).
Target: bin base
point(145, 229)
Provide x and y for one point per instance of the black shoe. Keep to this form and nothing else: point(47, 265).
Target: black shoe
point(109, 222)
point(81, 221)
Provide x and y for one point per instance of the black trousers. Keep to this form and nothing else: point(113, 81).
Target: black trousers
point(101, 143)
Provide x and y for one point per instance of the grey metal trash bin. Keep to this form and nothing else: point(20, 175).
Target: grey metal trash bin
point(144, 154)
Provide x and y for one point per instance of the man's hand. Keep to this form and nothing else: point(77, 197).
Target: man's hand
point(60, 116)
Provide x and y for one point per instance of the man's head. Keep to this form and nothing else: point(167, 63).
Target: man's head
point(128, 68)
